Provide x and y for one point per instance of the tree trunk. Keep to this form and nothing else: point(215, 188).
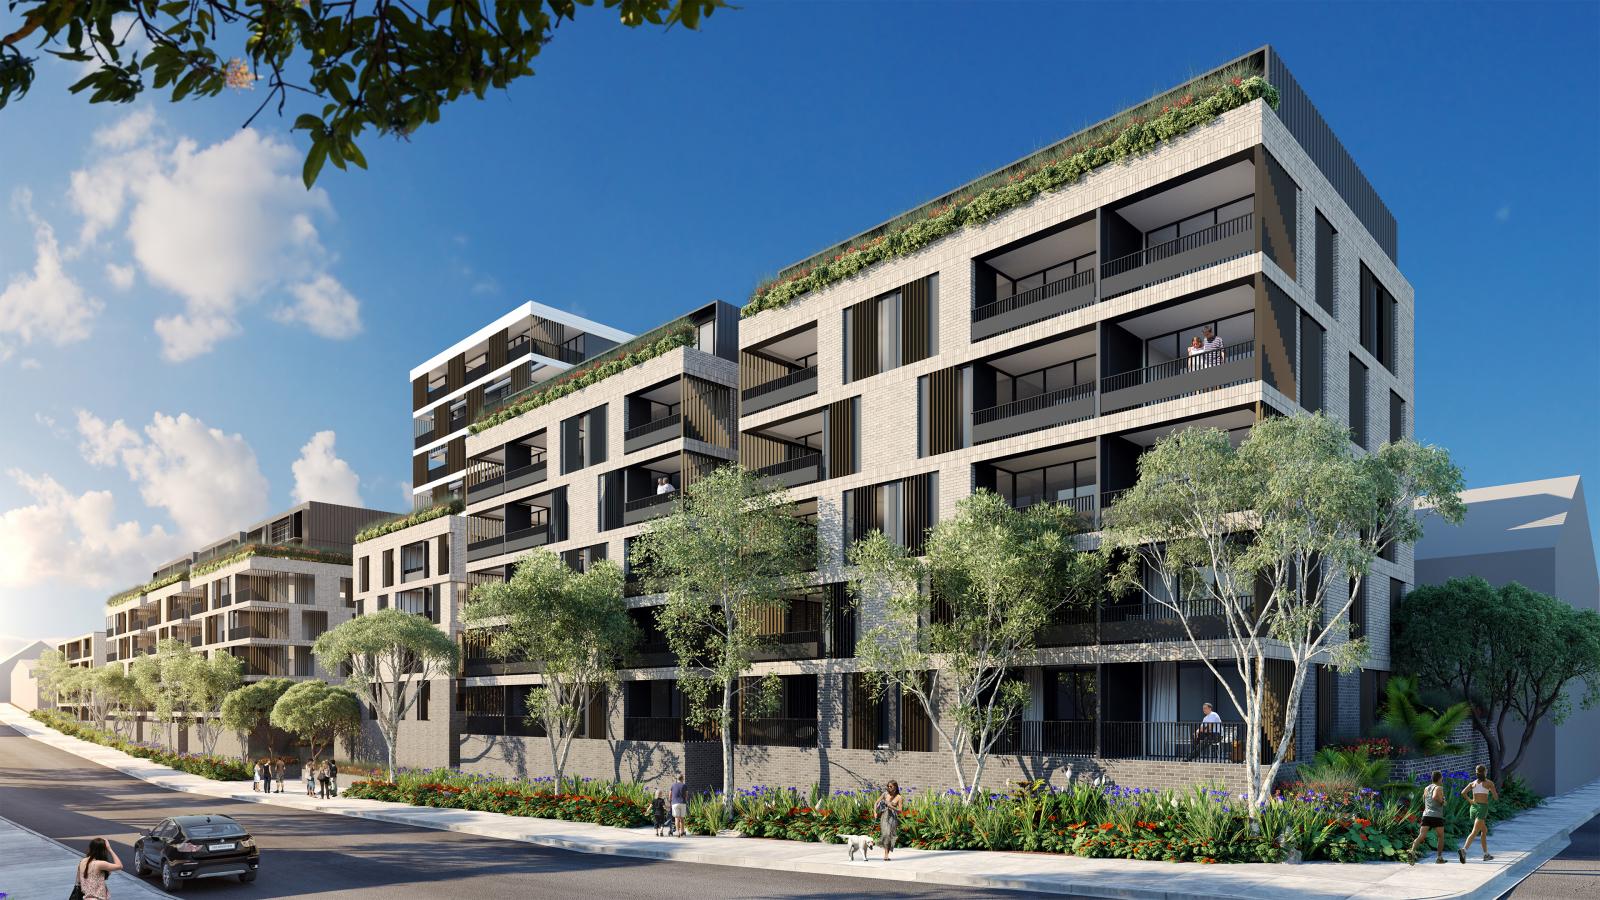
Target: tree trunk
point(727, 746)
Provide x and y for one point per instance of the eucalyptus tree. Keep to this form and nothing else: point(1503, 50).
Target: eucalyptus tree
point(1266, 537)
point(247, 710)
point(725, 557)
point(957, 622)
point(166, 679)
point(319, 713)
point(574, 624)
point(209, 681)
point(386, 652)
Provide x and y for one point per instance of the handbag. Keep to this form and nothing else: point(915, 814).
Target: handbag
point(77, 886)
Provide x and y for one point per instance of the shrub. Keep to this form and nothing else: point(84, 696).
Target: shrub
point(400, 523)
point(216, 768)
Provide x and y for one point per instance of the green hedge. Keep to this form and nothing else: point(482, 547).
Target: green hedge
point(576, 800)
point(1135, 132)
point(401, 523)
point(216, 768)
point(278, 551)
point(147, 587)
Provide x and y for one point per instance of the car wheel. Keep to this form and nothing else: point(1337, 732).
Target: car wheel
point(139, 868)
point(169, 878)
point(247, 877)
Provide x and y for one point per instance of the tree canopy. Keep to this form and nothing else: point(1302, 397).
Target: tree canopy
point(386, 651)
point(725, 557)
point(248, 710)
point(1514, 654)
point(1265, 537)
point(318, 712)
point(956, 623)
point(575, 624)
point(388, 65)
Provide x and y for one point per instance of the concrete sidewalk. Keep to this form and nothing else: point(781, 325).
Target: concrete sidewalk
point(32, 865)
point(1519, 845)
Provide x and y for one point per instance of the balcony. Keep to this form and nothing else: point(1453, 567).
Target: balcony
point(794, 472)
point(1046, 410)
point(508, 480)
point(778, 732)
point(1183, 741)
point(1150, 623)
point(1201, 249)
point(652, 728)
point(1058, 738)
point(797, 384)
point(527, 539)
point(1213, 369)
point(649, 507)
point(656, 431)
point(1035, 305)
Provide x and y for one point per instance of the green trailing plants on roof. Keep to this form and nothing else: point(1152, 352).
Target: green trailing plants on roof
point(1135, 132)
point(147, 587)
point(278, 551)
point(401, 523)
point(619, 359)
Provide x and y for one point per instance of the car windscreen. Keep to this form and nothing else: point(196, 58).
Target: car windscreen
point(213, 831)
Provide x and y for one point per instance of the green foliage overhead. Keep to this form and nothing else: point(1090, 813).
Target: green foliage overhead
point(317, 712)
point(401, 523)
point(1266, 537)
point(957, 622)
point(619, 360)
point(1134, 132)
point(575, 624)
point(729, 551)
point(388, 66)
point(1514, 654)
point(248, 709)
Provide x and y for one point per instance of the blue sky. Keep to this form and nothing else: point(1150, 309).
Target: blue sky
point(225, 318)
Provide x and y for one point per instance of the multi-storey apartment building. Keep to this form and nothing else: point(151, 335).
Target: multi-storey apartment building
point(263, 594)
point(580, 476)
point(526, 346)
point(1037, 355)
point(85, 651)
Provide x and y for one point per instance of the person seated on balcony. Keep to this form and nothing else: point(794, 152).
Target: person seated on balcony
point(664, 485)
point(1209, 734)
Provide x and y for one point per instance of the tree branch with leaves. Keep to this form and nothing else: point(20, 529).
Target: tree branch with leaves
point(957, 623)
point(575, 625)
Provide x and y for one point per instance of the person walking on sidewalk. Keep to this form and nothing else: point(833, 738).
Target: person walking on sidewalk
point(322, 781)
point(1432, 819)
point(333, 778)
point(1478, 794)
point(96, 864)
point(678, 799)
point(260, 772)
point(889, 807)
point(311, 777)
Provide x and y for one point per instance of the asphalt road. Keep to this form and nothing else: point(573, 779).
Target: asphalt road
point(310, 854)
point(1571, 874)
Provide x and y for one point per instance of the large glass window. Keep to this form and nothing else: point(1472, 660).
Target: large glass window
point(1061, 376)
point(888, 332)
point(1058, 483)
point(1200, 222)
point(1234, 329)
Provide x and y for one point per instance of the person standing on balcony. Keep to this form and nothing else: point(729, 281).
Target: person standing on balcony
point(1212, 342)
point(1209, 733)
point(1196, 348)
point(664, 485)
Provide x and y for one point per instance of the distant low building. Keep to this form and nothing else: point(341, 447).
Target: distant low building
point(17, 685)
point(1537, 534)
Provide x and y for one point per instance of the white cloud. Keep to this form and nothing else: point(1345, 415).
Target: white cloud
point(28, 362)
point(1503, 214)
point(121, 277)
point(324, 306)
point(221, 226)
point(321, 475)
point(209, 482)
point(62, 537)
point(46, 304)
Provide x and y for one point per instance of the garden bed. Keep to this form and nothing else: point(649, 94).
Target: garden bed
point(217, 768)
point(1200, 825)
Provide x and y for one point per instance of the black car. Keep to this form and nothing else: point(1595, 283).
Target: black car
point(185, 848)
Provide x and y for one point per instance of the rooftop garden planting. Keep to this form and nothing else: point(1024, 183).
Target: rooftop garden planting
point(620, 358)
point(153, 585)
point(1133, 132)
point(401, 523)
point(278, 551)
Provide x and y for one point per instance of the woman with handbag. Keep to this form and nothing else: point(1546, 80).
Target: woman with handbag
point(888, 808)
point(96, 864)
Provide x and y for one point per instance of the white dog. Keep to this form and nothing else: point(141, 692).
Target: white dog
point(859, 843)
